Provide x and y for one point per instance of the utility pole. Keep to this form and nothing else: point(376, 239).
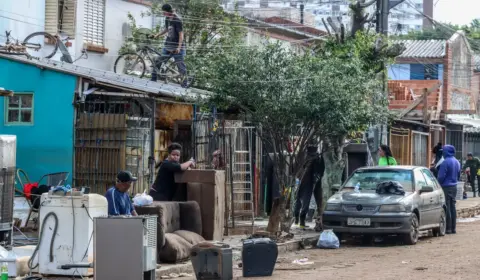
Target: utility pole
point(382, 10)
point(302, 12)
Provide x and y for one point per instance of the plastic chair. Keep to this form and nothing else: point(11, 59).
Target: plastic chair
point(55, 179)
point(52, 179)
point(23, 179)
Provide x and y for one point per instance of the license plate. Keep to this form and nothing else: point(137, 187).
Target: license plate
point(359, 222)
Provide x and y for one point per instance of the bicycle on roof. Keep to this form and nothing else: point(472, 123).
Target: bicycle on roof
point(37, 45)
point(141, 63)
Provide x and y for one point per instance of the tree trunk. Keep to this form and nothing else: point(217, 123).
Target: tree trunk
point(277, 214)
point(334, 168)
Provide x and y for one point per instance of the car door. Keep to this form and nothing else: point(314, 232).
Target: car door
point(426, 199)
point(438, 196)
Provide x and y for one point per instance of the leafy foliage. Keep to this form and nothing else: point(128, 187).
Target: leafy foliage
point(298, 98)
point(445, 31)
point(209, 31)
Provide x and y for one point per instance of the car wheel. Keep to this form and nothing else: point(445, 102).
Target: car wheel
point(412, 237)
point(442, 227)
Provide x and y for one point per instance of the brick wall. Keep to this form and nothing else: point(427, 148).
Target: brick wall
point(401, 97)
point(457, 98)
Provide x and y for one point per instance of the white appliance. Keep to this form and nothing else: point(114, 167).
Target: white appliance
point(8, 158)
point(73, 241)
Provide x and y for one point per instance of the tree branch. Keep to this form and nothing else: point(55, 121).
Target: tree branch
point(326, 27)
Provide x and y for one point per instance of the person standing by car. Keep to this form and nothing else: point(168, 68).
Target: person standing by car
point(386, 156)
point(448, 175)
point(437, 151)
point(474, 164)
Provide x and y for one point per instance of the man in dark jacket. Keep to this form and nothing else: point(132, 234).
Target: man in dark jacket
point(448, 175)
point(474, 164)
point(314, 171)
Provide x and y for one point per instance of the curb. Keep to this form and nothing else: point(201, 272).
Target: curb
point(468, 212)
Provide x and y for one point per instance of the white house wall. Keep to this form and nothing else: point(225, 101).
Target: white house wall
point(24, 17)
point(116, 16)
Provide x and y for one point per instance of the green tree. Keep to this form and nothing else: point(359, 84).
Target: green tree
point(300, 99)
point(209, 31)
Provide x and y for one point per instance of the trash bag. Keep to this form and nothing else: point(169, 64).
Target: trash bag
point(328, 240)
point(390, 187)
point(142, 199)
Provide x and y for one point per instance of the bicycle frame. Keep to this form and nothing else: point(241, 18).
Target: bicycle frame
point(146, 52)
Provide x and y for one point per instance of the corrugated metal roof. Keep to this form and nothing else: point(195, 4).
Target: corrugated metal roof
point(114, 80)
point(423, 48)
point(471, 124)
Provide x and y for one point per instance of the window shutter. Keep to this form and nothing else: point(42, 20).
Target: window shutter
point(69, 17)
point(94, 22)
point(51, 16)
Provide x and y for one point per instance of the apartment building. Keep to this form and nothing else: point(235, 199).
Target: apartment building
point(403, 18)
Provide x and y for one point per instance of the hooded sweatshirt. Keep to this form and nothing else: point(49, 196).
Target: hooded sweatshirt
point(449, 171)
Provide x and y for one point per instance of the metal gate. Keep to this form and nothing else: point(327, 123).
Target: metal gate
point(112, 134)
point(472, 143)
point(420, 148)
point(241, 158)
point(455, 138)
point(400, 145)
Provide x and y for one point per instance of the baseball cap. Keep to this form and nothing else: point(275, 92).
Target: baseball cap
point(125, 177)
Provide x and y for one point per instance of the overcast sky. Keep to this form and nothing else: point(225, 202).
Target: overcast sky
point(456, 11)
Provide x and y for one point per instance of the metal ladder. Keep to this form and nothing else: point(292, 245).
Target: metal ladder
point(243, 176)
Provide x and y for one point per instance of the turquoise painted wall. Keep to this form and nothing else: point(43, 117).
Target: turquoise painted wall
point(46, 146)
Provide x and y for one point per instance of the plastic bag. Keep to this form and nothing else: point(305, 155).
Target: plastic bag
point(328, 240)
point(142, 199)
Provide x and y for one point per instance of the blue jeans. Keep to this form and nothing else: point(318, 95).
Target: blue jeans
point(166, 55)
point(450, 201)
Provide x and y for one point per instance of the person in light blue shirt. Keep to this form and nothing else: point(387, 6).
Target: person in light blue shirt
point(119, 203)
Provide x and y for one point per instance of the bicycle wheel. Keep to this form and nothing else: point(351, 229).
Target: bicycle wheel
point(130, 64)
point(171, 74)
point(41, 41)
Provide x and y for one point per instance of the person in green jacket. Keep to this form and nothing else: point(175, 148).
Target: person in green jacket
point(386, 156)
point(474, 164)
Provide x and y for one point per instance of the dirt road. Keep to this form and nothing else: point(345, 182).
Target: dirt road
point(450, 257)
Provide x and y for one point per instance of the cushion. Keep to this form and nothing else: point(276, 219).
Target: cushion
point(168, 217)
point(175, 249)
point(190, 236)
point(190, 217)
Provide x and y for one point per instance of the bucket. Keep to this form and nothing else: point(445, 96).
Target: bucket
point(459, 192)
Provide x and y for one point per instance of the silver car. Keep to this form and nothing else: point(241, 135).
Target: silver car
point(358, 209)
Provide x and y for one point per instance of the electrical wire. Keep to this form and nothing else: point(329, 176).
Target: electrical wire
point(35, 252)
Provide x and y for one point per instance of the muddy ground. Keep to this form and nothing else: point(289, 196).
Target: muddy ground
point(449, 257)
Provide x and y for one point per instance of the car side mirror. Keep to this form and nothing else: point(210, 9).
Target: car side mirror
point(426, 189)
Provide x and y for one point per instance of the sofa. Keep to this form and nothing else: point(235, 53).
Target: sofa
point(179, 228)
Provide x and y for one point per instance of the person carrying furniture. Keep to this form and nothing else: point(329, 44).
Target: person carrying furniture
point(164, 187)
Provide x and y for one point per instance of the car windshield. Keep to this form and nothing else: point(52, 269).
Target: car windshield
point(370, 178)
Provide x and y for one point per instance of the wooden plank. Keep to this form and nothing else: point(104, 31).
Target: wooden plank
point(4, 92)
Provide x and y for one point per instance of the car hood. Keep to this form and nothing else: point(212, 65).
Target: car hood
point(366, 198)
